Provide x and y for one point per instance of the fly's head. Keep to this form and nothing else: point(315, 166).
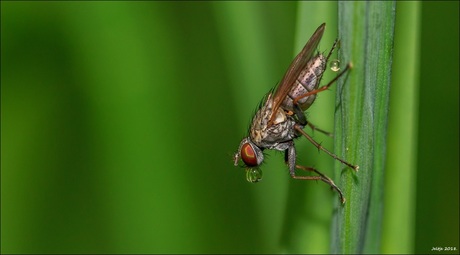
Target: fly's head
point(262, 134)
point(252, 156)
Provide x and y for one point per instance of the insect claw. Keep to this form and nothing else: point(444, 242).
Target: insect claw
point(350, 65)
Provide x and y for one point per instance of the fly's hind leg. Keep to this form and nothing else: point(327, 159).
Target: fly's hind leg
point(323, 88)
point(316, 91)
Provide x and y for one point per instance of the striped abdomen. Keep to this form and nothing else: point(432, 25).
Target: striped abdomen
point(307, 81)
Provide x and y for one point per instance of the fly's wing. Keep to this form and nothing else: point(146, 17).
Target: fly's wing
point(296, 67)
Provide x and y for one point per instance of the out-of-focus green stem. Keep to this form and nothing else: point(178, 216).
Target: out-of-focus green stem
point(400, 171)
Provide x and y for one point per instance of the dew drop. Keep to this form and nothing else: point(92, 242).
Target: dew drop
point(253, 175)
point(335, 65)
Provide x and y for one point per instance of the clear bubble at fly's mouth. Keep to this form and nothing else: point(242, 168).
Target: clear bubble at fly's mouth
point(253, 175)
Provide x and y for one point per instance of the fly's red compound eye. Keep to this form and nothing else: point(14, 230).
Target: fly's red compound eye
point(248, 155)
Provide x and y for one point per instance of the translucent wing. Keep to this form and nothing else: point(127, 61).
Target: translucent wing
point(294, 70)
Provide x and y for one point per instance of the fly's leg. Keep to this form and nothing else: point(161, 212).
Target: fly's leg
point(321, 177)
point(332, 49)
point(314, 128)
point(300, 115)
point(290, 158)
point(317, 145)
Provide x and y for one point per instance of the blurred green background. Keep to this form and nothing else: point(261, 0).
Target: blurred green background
point(119, 121)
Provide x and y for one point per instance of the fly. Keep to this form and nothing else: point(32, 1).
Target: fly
point(280, 118)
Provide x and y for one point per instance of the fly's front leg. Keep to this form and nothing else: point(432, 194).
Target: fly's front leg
point(321, 177)
point(290, 158)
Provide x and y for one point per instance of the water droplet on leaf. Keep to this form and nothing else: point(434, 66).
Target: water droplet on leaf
point(335, 65)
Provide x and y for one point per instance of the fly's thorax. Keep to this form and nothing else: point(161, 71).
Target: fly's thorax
point(281, 130)
point(307, 81)
point(259, 125)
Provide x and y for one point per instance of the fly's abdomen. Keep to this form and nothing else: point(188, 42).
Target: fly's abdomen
point(307, 81)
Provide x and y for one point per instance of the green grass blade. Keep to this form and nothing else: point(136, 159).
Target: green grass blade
point(366, 31)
